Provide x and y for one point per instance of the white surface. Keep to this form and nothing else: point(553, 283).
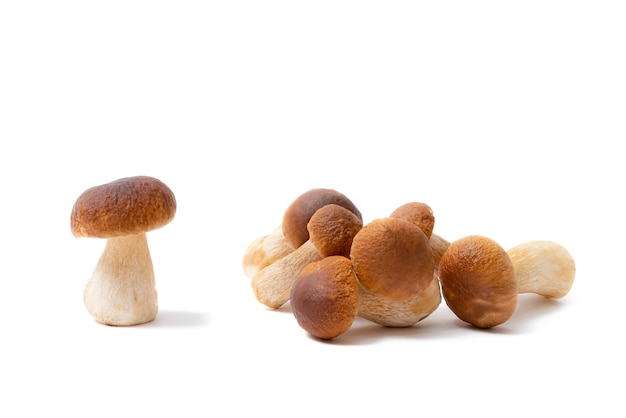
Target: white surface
point(505, 117)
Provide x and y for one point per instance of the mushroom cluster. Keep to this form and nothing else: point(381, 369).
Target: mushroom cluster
point(393, 271)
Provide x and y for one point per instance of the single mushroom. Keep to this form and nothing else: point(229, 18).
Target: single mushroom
point(331, 230)
point(392, 257)
point(405, 313)
point(121, 290)
point(480, 281)
point(325, 297)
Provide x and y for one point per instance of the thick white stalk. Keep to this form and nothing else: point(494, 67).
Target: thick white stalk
point(122, 289)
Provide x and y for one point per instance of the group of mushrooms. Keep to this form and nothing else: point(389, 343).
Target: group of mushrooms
point(393, 271)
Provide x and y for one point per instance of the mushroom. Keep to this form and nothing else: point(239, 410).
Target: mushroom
point(121, 290)
point(405, 313)
point(325, 297)
point(480, 281)
point(330, 230)
point(392, 257)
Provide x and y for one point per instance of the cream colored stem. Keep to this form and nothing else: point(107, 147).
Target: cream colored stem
point(272, 285)
point(122, 290)
point(264, 251)
point(543, 267)
point(399, 313)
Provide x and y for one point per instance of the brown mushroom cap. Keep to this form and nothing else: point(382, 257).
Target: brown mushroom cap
point(128, 206)
point(419, 213)
point(393, 258)
point(478, 281)
point(332, 229)
point(299, 212)
point(325, 297)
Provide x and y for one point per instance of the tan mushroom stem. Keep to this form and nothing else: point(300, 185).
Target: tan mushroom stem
point(543, 267)
point(264, 251)
point(404, 313)
point(121, 290)
point(272, 284)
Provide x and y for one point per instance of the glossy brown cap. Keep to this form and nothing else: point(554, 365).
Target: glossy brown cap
point(419, 213)
point(478, 281)
point(325, 297)
point(128, 206)
point(299, 212)
point(392, 258)
point(332, 229)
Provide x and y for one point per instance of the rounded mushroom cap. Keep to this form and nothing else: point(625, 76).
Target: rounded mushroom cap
point(332, 229)
point(128, 206)
point(299, 212)
point(325, 297)
point(393, 258)
point(478, 281)
point(419, 213)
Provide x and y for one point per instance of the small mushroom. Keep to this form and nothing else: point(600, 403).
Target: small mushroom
point(405, 313)
point(480, 281)
point(121, 290)
point(331, 230)
point(392, 257)
point(325, 297)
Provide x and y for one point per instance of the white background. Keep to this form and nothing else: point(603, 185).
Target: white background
point(507, 118)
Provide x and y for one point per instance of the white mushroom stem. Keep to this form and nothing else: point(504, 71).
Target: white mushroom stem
point(264, 251)
point(122, 290)
point(543, 267)
point(397, 314)
point(272, 285)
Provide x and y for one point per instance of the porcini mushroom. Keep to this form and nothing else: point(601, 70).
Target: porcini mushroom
point(325, 298)
point(121, 290)
point(478, 281)
point(330, 231)
point(392, 257)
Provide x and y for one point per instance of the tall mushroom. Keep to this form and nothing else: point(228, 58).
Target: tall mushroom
point(121, 290)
